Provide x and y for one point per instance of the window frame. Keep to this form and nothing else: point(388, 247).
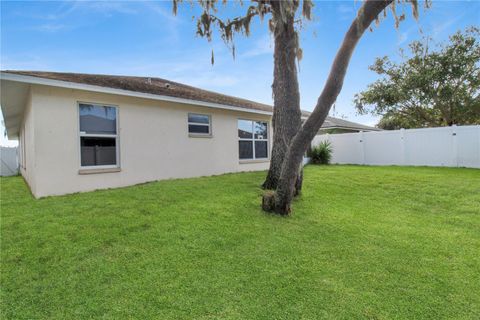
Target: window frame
point(253, 140)
point(197, 134)
point(99, 135)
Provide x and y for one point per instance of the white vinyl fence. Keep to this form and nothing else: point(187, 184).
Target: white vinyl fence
point(9, 161)
point(455, 146)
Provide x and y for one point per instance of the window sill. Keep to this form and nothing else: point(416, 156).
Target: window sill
point(254, 161)
point(193, 135)
point(98, 170)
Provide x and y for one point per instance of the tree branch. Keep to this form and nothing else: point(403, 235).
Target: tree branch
point(366, 15)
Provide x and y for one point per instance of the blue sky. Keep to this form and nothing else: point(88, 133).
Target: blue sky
point(145, 39)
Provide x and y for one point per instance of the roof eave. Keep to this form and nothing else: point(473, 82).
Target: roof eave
point(87, 87)
point(351, 128)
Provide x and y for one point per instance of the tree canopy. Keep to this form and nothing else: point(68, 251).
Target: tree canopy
point(428, 88)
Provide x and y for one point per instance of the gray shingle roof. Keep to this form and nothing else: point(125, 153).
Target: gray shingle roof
point(331, 123)
point(165, 87)
point(147, 85)
point(337, 123)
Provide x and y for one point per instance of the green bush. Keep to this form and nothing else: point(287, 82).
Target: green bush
point(322, 153)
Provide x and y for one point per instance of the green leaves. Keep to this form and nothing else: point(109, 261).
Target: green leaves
point(322, 153)
point(436, 87)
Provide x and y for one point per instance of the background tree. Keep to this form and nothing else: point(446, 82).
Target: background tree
point(284, 22)
point(430, 88)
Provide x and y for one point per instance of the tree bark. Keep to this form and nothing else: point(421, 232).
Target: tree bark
point(286, 118)
point(299, 144)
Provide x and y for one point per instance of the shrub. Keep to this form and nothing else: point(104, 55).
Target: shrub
point(322, 153)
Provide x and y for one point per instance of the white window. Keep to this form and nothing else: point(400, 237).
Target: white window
point(199, 124)
point(98, 135)
point(252, 139)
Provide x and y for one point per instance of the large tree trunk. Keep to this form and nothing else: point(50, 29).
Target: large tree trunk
point(286, 97)
point(282, 198)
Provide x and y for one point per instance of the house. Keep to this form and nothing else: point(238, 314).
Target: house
point(335, 125)
point(81, 132)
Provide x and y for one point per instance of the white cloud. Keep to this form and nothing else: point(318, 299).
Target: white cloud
point(402, 37)
point(438, 29)
point(162, 11)
point(107, 7)
point(104, 7)
point(63, 16)
point(262, 46)
point(346, 11)
point(344, 8)
point(24, 62)
point(50, 27)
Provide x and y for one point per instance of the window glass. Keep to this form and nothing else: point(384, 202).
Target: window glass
point(260, 130)
point(98, 119)
point(193, 128)
point(97, 151)
point(198, 118)
point(253, 139)
point(245, 129)
point(245, 149)
point(261, 149)
point(98, 135)
point(199, 123)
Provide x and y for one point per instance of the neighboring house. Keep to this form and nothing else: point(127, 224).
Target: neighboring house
point(81, 132)
point(335, 125)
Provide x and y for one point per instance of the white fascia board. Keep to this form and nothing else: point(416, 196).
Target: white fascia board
point(88, 87)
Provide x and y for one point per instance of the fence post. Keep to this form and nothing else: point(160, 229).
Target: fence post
point(478, 163)
point(362, 142)
point(454, 145)
point(403, 160)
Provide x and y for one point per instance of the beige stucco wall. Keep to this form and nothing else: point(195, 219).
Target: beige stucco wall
point(154, 142)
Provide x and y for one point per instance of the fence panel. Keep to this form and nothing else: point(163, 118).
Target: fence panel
point(429, 147)
point(9, 161)
point(348, 148)
point(383, 149)
point(468, 146)
point(446, 146)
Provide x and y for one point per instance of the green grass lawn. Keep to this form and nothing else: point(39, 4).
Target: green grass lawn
point(363, 243)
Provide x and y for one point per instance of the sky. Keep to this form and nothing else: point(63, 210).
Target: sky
point(146, 39)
